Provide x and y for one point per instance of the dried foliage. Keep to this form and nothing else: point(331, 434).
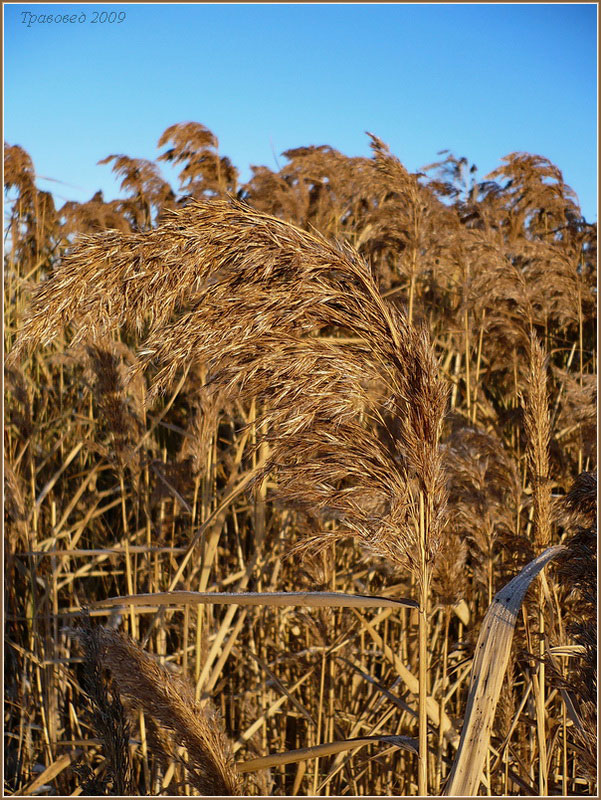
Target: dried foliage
point(579, 572)
point(391, 374)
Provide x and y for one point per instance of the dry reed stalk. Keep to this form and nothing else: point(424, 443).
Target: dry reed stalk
point(538, 433)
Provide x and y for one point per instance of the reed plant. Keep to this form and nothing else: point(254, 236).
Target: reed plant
point(303, 443)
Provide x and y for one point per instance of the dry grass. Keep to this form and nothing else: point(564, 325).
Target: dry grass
point(209, 394)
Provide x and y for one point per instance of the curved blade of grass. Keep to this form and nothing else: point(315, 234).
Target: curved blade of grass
point(321, 750)
point(311, 599)
point(488, 671)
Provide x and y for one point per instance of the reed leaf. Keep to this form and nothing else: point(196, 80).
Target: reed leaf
point(272, 599)
point(488, 671)
point(321, 750)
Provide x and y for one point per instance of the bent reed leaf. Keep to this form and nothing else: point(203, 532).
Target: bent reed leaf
point(273, 599)
point(321, 750)
point(488, 671)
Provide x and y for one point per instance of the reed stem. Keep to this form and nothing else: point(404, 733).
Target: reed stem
point(422, 775)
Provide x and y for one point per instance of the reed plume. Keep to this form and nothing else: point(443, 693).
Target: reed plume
point(93, 216)
point(205, 172)
point(170, 702)
point(253, 299)
point(483, 487)
point(107, 715)
point(538, 433)
point(150, 194)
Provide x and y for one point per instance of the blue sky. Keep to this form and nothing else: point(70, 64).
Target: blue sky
point(481, 80)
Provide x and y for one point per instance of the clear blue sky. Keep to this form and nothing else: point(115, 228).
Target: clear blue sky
point(481, 80)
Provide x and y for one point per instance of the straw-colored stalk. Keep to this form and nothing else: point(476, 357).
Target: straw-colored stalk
point(538, 431)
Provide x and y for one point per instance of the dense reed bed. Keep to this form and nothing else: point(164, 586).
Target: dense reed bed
point(286, 442)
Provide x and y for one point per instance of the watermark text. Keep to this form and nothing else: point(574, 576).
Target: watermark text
point(90, 17)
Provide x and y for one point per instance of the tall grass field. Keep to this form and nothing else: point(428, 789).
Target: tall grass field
point(300, 479)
